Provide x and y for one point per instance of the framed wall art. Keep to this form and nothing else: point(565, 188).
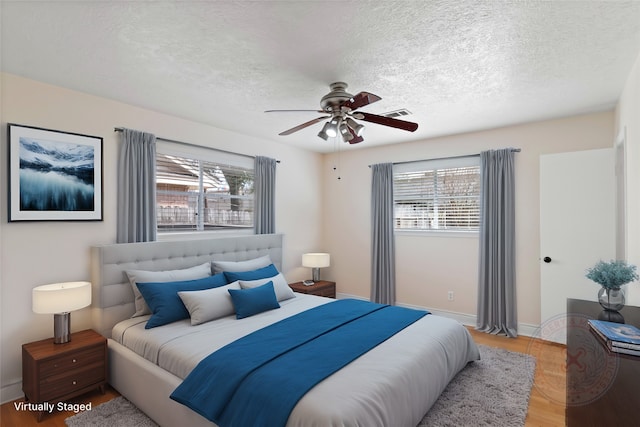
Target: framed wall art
point(54, 175)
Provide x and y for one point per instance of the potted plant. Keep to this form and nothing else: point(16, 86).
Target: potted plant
point(611, 276)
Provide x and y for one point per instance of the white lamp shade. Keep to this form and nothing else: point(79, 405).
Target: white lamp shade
point(315, 260)
point(61, 297)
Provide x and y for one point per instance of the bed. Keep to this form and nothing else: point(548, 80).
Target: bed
point(394, 383)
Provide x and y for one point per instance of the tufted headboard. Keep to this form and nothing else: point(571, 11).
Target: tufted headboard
point(112, 296)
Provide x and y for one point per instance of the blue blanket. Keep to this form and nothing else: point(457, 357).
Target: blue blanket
point(258, 379)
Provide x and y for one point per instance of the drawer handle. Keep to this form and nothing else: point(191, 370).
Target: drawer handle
point(74, 360)
point(75, 382)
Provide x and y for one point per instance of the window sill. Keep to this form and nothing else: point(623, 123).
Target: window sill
point(195, 235)
point(438, 233)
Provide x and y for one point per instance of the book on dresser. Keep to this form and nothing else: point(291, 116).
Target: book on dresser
point(618, 337)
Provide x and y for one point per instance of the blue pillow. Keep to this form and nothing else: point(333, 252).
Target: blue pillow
point(248, 302)
point(164, 301)
point(261, 273)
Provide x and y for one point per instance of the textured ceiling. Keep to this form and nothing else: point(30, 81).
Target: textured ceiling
point(458, 66)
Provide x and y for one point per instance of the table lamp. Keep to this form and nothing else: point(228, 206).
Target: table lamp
point(59, 299)
point(315, 261)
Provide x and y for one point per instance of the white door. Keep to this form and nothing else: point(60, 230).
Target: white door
point(577, 229)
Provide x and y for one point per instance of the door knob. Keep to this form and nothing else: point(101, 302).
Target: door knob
point(546, 259)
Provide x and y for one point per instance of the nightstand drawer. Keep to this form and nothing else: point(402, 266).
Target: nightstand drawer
point(76, 361)
point(60, 385)
point(321, 288)
point(329, 292)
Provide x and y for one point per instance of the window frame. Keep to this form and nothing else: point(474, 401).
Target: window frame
point(200, 154)
point(435, 165)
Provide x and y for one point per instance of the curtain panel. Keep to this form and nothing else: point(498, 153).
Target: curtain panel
point(136, 217)
point(496, 281)
point(265, 195)
point(383, 255)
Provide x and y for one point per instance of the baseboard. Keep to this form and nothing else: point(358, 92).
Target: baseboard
point(525, 329)
point(11, 392)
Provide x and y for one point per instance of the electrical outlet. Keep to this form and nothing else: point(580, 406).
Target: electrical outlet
point(450, 295)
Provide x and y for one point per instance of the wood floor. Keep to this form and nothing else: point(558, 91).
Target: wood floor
point(546, 405)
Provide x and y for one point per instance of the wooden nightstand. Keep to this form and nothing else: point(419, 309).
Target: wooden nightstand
point(57, 372)
point(321, 288)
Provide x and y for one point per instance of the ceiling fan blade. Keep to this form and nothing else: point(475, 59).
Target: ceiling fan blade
point(303, 125)
point(355, 138)
point(388, 121)
point(361, 99)
point(292, 111)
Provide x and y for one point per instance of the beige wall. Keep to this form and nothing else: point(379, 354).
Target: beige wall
point(427, 266)
point(628, 122)
point(36, 253)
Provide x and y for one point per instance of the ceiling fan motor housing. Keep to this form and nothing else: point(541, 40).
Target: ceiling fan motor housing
point(333, 101)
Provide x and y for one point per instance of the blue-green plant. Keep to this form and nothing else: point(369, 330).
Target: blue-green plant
point(612, 274)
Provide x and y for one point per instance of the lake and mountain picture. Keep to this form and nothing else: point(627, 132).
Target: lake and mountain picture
point(56, 176)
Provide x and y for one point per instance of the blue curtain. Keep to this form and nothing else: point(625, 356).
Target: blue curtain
point(383, 254)
point(497, 277)
point(136, 217)
point(265, 195)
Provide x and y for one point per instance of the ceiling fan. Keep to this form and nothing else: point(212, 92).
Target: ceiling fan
point(341, 108)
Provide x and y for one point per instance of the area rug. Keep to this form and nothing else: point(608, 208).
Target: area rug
point(118, 412)
point(492, 392)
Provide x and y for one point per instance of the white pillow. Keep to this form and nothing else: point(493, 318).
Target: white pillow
point(142, 276)
point(209, 304)
point(280, 286)
point(240, 266)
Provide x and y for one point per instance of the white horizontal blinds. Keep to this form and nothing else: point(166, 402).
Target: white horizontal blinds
point(203, 189)
point(437, 195)
point(177, 192)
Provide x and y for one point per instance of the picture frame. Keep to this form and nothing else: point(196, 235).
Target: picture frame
point(54, 175)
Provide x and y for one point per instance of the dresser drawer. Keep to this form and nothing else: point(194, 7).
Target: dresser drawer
point(75, 361)
point(72, 381)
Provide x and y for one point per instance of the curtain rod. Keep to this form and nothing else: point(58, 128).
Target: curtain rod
point(516, 150)
point(120, 129)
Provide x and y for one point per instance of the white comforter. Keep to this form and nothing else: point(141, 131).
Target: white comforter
point(394, 384)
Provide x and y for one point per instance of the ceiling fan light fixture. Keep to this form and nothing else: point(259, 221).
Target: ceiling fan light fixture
point(345, 132)
point(357, 128)
point(327, 131)
point(331, 127)
point(344, 129)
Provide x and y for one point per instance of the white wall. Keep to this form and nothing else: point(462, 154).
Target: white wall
point(36, 253)
point(428, 266)
point(628, 121)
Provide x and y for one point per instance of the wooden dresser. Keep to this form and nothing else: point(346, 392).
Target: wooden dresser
point(57, 372)
point(603, 388)
point(321, 288)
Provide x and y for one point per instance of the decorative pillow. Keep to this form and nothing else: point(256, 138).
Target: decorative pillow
point(261, 273)
point(166, 306)
point(280, 286)
point(251, 264)
point(210, 304)
point(248, 302)
point(141, 276)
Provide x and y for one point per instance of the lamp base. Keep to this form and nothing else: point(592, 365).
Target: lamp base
point(61, 328)
point(315, 274)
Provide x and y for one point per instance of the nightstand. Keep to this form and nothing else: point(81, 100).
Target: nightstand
point(321, 288)
point(57, 372)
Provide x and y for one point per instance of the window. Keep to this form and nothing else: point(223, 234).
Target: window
point(437, 195)
point(200, 189)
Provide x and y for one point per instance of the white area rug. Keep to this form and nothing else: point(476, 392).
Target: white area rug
point(492, 392)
